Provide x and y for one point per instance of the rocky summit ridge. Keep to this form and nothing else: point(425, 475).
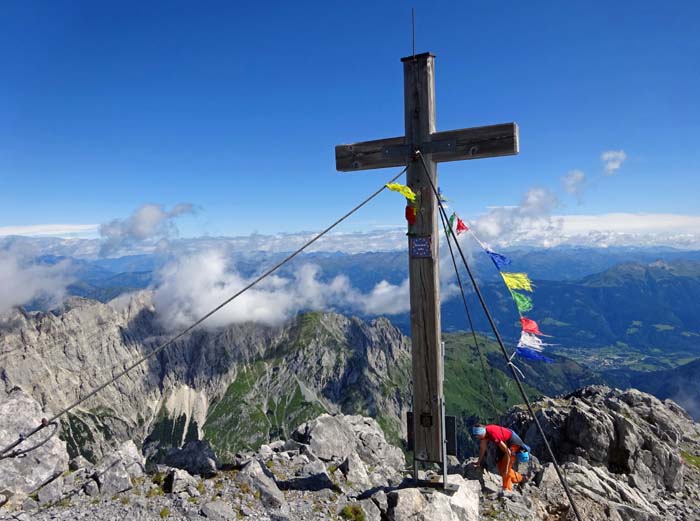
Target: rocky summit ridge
point(626, 455)
point(301, 420)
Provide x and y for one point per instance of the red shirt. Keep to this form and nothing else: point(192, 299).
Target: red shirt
point(498, 434)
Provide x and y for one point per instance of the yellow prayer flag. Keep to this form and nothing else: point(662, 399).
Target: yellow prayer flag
point(403, 190)
point(517, 281)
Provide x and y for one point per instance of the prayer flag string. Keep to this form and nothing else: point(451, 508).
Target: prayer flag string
point(530, 346)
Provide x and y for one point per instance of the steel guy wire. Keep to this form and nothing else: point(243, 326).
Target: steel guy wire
point(44, 422)
point(562, 479)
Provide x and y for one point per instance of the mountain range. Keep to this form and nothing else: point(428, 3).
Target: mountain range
point(635, 323)
point(638, 309)
point(244, 384)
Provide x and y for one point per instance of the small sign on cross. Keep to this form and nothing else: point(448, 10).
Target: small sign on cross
point(419, 247)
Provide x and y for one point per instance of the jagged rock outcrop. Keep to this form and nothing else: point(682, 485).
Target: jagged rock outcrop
point(20, 476)
point(357, 447)
point(281, 481)
point(413, 504)
point(287, 479)
point(626, 432)
point(329, 437)
point(238, 386)
point(626, 456)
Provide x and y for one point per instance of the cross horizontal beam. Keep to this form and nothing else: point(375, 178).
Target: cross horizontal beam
point(450, 145)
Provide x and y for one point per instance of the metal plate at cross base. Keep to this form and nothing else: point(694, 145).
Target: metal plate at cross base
point(450, 433)
point(449, 488)
point(427, 486)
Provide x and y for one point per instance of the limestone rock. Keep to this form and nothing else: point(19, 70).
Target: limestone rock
point(20, 413)
point(114, 479)
point(79, 462)
point(329, 437)
point(134, 461)
point(91, 488)
point(380, 499)
point(51, 493)
point(177, 481)
point(265, 452)
point(259, 478)
point(313, 467)
point(277, 445)
point(412, 504)
point(310, 483)
point(454, 466)
point(355, 472)
point(371, 510)
point(371, 445)
point(406, 504)
point(29, 505)
point(464, 503)
point(626, 432)
point(218, 511)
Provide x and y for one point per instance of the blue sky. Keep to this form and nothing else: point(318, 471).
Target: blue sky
point(106, 106)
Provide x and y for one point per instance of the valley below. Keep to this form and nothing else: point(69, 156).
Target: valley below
point(238, 388)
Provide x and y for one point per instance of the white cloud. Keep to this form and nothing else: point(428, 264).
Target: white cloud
point(23, 281)
point(60, 230)
point(574, 183)
point(638, 223)
point(386, 298)
point(508, 224)
point(192, 285)
point(501, 226)
point(148, 224)
point(612, 160)
point(611, 229)
point(347, 242)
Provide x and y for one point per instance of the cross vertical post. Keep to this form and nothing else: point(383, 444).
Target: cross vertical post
point(424, 277)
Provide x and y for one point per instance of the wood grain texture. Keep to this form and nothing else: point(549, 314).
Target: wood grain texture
point(478, 142)
point(369, 154)
point(450, 145)
point(419, 96)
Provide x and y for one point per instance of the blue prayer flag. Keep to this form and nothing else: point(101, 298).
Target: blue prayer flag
point(530, 354)
point(499, 260)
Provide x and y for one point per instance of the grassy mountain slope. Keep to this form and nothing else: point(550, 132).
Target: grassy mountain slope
point(322, 363)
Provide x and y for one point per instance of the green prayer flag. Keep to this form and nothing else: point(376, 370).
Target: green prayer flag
point(452, 220)
point(523, 302)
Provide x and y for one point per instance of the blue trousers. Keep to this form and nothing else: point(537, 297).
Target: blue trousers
point(515, 440)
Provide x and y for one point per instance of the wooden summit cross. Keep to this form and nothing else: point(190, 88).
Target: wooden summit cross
point(435, 147)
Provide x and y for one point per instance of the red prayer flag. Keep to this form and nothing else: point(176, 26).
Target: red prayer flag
point(461, 227)
point(411, 214)
point(530, 326)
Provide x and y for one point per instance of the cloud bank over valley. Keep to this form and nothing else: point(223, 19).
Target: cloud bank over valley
point(23, 281)
point(190, 286)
